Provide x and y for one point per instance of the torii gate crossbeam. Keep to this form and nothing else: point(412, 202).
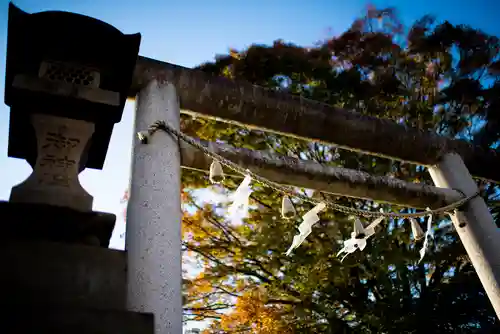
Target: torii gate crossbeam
point(256, 107)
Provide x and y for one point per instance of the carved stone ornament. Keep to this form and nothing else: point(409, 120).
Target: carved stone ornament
point(54, 180)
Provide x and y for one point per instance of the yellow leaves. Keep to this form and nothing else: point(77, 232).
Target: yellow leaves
point(238, 255)
point(250, 309)
point(228, 277)
point(204, 287)
point(234, 54)
point(198, 226)
point(227, 72)
point(241, 284)
point(185, 196)
point(200, 286)
point(251, 312)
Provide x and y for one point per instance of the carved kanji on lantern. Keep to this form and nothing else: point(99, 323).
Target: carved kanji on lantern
point(60, 146)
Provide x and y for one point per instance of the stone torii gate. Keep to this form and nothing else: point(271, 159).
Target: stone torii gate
point(165, 90)
point(115, 291)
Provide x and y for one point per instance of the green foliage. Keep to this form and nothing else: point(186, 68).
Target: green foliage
point(437, 77)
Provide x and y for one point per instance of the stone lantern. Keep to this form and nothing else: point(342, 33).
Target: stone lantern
point(67, 78)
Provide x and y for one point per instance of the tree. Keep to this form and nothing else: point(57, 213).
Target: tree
point(437, 77)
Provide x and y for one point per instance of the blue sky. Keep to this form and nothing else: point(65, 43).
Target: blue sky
point(190, 32)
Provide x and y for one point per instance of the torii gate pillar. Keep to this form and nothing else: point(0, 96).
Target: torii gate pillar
point(153, 235)
point(474, 224)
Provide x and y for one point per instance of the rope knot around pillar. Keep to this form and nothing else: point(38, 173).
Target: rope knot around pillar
point(460, 208)
point(144, 136)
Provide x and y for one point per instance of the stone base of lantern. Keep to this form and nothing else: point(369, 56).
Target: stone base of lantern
point(27, 221)
point(27, 320)
point(59, 276)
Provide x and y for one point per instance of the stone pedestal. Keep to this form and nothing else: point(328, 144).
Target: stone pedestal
point(66, 320)
point(59, 276)
point(52, 273)
point(32, 221)
point(66, 288)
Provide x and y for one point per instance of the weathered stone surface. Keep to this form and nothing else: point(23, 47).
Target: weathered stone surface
point(154, 215)
point(54, 180)
point(45, 273)
point(28, 221)
point(37, 320)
